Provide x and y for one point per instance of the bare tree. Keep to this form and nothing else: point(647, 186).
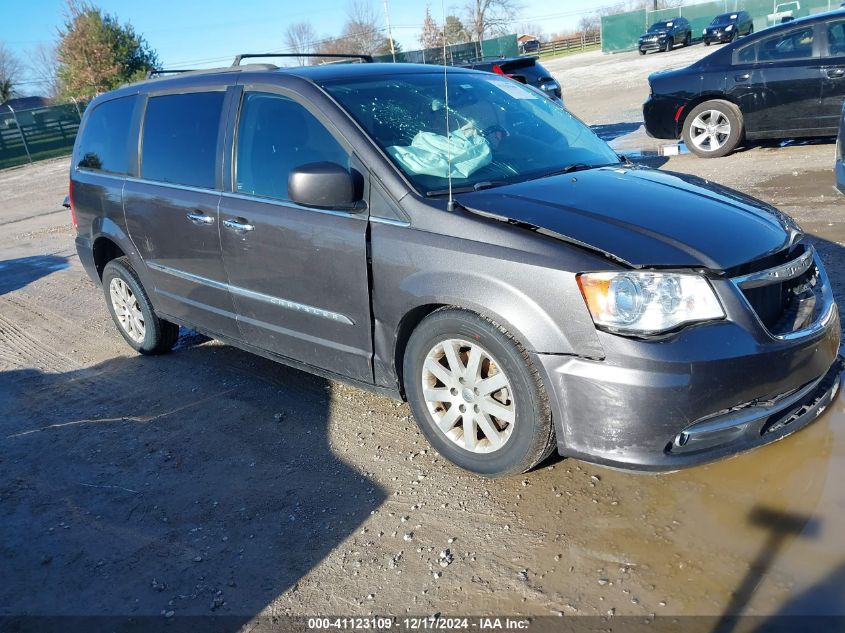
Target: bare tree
point(300, 38)
point(431, 36)
point(11, 70)
point(362, 32)
point(491, 17)
point(44, 67)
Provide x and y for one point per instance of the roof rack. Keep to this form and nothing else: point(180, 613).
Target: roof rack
point(156, 72)
point(364, 58)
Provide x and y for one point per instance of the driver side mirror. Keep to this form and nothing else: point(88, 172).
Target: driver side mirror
point(326, 185)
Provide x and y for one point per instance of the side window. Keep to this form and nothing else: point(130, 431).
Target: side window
point(747, 54)
point(276, 135)
point(180, 138)
point(797, 44)
point(836, 39)
point(104, 144)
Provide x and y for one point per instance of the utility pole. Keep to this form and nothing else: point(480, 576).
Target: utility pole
point(389, 32)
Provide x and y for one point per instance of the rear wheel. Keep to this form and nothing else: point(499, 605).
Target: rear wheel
point(476, 395)
point(713, 129)
point(132, 311)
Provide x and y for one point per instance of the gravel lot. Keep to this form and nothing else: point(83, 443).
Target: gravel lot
point(213, 482)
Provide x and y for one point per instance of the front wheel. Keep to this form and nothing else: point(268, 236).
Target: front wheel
point(670, 44)
point(688, 40)
point(713, 129)
point(132, 311)
point(476, 395)
point(642, 52)
point(707, 42)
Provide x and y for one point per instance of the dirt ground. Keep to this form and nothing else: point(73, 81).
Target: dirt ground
point(213, 482)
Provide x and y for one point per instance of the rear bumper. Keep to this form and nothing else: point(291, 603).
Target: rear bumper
point(660, 115)
point(702, 394)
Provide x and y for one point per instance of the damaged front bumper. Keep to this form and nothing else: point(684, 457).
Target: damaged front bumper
point(706, 393)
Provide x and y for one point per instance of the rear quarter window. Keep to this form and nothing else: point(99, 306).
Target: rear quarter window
point(180, 135)
point(104, 142)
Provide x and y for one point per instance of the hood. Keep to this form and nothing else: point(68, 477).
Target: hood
point(644, 217)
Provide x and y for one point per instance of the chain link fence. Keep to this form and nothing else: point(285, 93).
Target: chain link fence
point(45, 132)
point(621, 32)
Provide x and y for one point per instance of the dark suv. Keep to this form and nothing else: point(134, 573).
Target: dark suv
point(526, 70)
point(727, 27)
point(501, 269)
point(663, 35)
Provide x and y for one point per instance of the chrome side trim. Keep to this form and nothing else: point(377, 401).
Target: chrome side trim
point(250, 294)
point(784, 272)
point(389, 221)
point(171, 185)
point(291, 205)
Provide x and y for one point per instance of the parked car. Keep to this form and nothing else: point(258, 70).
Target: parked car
point(840, 154)
point(519, 285)
point(727, 27)
point(783, 82)
point(663, 35)
point(525, 70)
point(529, 46)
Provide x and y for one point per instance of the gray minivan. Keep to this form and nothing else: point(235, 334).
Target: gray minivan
point(477, 251)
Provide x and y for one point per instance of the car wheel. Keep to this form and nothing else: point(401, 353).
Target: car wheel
point(642, 52)
point(476, 395)
point(713, 129)
point(132, 311)
point(688, 40)
point(707, 42)
point(670, 44)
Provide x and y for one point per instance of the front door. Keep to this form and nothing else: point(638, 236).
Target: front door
point(298, 276)
point(777, 82)
point(172, 209)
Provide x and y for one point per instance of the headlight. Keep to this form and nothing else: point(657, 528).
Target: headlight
point(730, 28)
point(648, 302)
point(551, 85)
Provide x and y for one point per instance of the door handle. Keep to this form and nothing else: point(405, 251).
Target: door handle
point(200, 218)
point(742, 77)
point(835, 73)
point(238, 224)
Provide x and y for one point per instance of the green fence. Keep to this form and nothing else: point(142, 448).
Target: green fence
point(621, 31)
point(505, 46)
point(30, 135)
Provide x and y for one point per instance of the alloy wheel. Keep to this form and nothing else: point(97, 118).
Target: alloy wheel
point(127, 310)
point(710, 130)
point(468, 395)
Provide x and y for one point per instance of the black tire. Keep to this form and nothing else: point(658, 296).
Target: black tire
point(670, 44)
point(688, 40)
point(707, 42)
point(642, 52)
point(734, 116)
point(159, 335)
point(532, 438)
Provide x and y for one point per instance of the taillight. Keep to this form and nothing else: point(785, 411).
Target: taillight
point(72, 207)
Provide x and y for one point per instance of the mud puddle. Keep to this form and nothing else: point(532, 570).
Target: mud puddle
point(761, 533)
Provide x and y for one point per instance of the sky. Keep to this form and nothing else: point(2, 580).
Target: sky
point(205, 33)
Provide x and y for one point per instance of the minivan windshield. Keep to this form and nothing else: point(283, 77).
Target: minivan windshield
point(499, 131)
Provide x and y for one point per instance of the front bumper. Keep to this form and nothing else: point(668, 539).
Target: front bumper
point(704, 393)
point(718, 38)
point(652, 45)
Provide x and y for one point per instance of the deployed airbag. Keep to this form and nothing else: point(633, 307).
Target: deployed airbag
point(428, 153)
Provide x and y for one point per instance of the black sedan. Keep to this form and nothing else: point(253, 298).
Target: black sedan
point(727, 27)
point(784, 82)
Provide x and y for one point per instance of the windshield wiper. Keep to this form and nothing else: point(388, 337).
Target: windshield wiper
point(570, 169)
point(484, 184)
